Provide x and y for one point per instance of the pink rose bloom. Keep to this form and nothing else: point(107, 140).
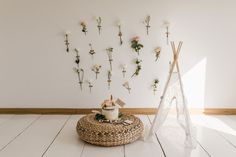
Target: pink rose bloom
point(136, 38)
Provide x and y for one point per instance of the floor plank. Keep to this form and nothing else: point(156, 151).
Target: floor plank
point(221, 131)
point(14, 127)
point(5, 117)
point(67, 143)
point(35, 140)
point(145, 148)
point(172, 139)
point(95, 151)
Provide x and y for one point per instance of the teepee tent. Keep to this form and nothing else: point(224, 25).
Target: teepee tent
point(173, 94)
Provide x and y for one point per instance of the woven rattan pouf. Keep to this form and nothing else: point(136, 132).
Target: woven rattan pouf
point(106, 134)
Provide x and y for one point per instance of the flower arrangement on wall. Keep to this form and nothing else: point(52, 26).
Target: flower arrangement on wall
point(67, 41)
point(136, 45)
point(109, 74)
point(99, 24)
point(127, 86)
point(123, 67)
point(147, 23)
point(84, 27)
point(77, 57)
point(155, 83)
point(120, 33)
point(80, 73)
point(109, 54)
point(96, 69)
point(90, 85)
point(167, 25)
point(138, 67)
point(91, 51)
point(157, 52)
point(78, 70)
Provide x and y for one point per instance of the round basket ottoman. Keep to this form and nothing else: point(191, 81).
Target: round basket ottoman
point(107, 134)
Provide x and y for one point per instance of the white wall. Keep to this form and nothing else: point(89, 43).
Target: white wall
point(35, 70)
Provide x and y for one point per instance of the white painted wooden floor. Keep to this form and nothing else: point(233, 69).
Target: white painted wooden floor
point(55, 136)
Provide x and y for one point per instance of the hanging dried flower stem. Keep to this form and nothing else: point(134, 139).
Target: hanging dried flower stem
point(84, 27)
point(80, 73)
point(77, 60)
point(67, 41)
point(79, 70)
point(109, 74)
point(147, 23)
point(109, 54)
point(136, 45)
point(96, 69)
point(138, 67)
point(124, 70)
point(91, 51)
point(127, 86)
point(155, 83)
point(167, 25)
point(90, 85)
point(120, 33)
point(157, 52)
point(99, 24)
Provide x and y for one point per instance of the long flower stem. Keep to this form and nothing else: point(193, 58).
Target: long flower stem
point(99, 29)
point(110, 62)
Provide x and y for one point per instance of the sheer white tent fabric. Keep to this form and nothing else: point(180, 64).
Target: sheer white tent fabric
point(173, 98)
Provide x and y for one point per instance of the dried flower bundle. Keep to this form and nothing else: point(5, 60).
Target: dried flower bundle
point(96, 69)
point(90, 85)
point(155, 83)
point(99, 24)
point(91, 51)
point(138, 67)
point(120, 33)
point(77, 60)
point(80, 73)
point(167, 25)
point(67, 41)
point(157, 52)
point(84, 27)
point(109, 54)
point(127, 86)
point(124, 69)
point(109, 75)
point(147, 23)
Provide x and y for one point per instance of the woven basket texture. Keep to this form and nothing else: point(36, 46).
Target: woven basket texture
point(106, 134)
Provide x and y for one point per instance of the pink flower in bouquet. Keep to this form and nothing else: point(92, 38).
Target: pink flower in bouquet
point(82, 23)
point(135, 38)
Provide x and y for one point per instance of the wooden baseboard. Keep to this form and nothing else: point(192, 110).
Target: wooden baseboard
point(146, 111)
point(220, 111)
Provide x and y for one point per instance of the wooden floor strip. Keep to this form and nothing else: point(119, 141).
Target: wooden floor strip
point(96, 151)
point(56, 136)
point(172, 138)
point(5, 118)
point(67, 142)
point(211, 134)
point(145, 148)
point(14, 127)
point(35, 140)
point(225, 126)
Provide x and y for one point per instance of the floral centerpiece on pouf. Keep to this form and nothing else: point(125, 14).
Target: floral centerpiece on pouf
point(110, 109)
